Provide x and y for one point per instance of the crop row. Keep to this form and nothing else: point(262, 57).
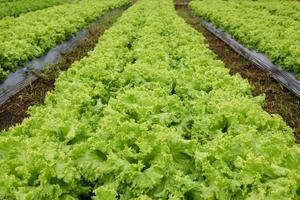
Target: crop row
point(15, 8)
point(32, 34)
point(277, 36)
point(290, 9)
point(149, 114)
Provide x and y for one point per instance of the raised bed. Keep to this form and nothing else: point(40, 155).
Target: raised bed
point(287, 79)
point(278, 99)
point(24, 76)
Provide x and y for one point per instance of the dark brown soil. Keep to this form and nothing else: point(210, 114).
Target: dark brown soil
point(278, 99)
point(14, 110)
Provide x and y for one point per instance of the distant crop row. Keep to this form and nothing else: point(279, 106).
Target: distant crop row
point(289, 8)
point(150, 114)
point(271, 27)
point(32, 34)
point(15, 8)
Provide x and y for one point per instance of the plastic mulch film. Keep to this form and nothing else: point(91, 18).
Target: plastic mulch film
point(287, 79)
point(22, 77)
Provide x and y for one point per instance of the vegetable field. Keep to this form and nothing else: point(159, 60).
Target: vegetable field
point(16, 8)
point(271, 27)
point(21, 40)
point(150, 113)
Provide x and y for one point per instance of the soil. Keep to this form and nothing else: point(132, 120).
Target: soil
point(278, 100)
point(14, 110)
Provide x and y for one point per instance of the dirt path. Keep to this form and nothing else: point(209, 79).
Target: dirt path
point(278, 99)
point(15, 109)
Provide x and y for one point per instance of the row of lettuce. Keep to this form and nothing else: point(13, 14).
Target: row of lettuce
point(287, 8)
point(269, 26)
point(32, 34)
point(150, 114)
point(16, 8)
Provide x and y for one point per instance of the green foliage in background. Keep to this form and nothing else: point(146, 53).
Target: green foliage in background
point(32, 34)
point(271, 27)
point(15, 8)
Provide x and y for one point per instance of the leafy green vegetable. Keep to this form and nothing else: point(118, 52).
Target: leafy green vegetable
point(32, 34)
point(150, 114)
point(271, 27)
point(15, 8)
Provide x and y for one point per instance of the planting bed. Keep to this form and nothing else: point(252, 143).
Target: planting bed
point(15, 107)
point(32, 34)
point(279, 100)
point(258, 26)
point(150, 113)
point(16, 8)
